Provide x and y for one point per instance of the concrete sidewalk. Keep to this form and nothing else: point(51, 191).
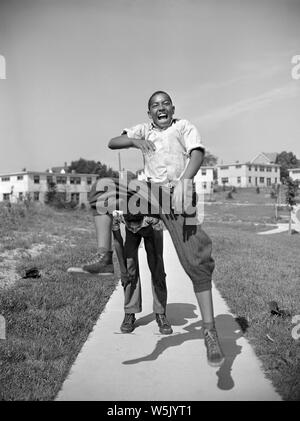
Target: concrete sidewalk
point(148, 366)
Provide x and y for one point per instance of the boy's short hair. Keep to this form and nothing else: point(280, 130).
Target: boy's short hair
point(156, 93)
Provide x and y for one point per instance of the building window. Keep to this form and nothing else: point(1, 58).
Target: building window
point(61, 180)
point(276, 169)
point(238, 179)
point(262, 168)
point(204, 184)
point(6, 196)
point(203, 172)
point(238, 166)
point(261, 180)
point(21, 196)
point(255, 168)
point(89, 180)
point(5, 178)
point(275, 180)
point(268, 181)
point(49, 179)
point(75, 180)
point(36, 179)
point(224, 167)
point(75, 197)
point(20, 177)
point(224, 180)
point(269, 169)
point(249, 180)
point(249, 168)
point(36, 195)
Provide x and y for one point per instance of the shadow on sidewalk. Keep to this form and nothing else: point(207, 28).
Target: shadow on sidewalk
point(179, 314)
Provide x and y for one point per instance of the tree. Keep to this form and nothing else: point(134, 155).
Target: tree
point(57, 198)
point(84, 166)
point(291, 190)
point(286, 160)
point(209, 160)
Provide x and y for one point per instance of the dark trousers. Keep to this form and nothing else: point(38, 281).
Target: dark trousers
point(192, 244)
point(153, 241)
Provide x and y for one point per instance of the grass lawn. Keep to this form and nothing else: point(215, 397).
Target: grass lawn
point(252, 270)
point(48, 318)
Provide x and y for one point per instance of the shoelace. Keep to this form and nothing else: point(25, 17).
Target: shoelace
point(98, 257)
point(162, 318)
point(212, 341)
point(128, 317)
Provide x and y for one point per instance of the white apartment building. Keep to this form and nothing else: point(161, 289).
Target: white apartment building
point(294, 173)
point(261, 171)
point(19, 185)
point(204, 180)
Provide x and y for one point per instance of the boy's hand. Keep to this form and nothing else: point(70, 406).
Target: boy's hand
point(146, 146)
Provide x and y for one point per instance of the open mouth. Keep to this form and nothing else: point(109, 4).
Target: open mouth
point(162, 116)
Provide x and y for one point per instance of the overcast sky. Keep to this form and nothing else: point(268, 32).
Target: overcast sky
point(79, 71)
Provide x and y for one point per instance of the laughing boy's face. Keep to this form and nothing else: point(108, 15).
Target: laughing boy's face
point(161, 110)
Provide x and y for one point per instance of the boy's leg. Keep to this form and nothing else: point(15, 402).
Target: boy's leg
point(101, 262)
point(119, 248)
point(103, 232)
point(132, 291)
point(194, 247)
point(153, 240)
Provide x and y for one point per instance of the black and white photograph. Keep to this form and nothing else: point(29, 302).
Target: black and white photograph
point(150, 203)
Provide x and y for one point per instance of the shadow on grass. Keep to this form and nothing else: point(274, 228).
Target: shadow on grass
point(179, 314)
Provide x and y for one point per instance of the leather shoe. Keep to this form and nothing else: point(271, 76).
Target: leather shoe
point(127, 325)
point(163, 324)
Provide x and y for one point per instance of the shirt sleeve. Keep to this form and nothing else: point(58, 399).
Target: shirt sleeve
point(136, 132)
point(191, 137)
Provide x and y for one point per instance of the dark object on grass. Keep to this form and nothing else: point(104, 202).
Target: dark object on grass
point(32, 273)
point(275, 311)
point(257, 190)
point(243, 323)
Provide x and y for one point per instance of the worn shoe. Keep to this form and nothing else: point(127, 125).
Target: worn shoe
point(215, 356)
point(100, 263)
point(164, 325)
point(127, 325)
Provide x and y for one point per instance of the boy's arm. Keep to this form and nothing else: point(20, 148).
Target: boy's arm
point(183, 191)
point(123, 142)
point(196, 159)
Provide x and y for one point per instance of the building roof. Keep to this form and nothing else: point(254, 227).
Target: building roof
point(62, 170)
point(272, 156)
point(45, 173)
point(269, 157)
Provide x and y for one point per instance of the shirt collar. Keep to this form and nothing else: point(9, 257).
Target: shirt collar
point(153, 127)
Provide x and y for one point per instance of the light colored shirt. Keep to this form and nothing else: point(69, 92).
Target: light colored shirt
point(173, 147)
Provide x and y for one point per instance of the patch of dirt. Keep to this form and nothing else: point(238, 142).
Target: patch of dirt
point(9, 260)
